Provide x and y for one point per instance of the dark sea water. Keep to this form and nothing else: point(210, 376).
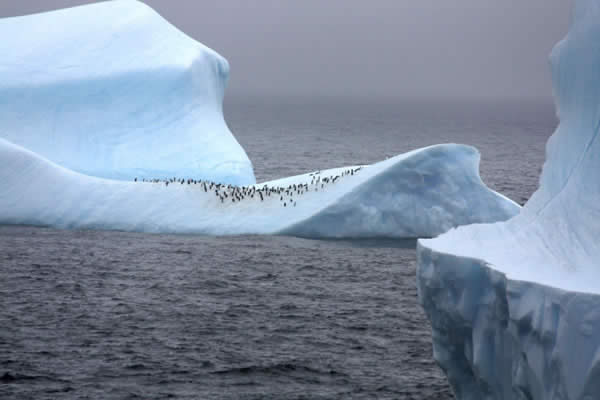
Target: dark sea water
point(113, 315)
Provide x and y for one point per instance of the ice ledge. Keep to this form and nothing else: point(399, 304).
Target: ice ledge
point(420, 193)
point(499, 338)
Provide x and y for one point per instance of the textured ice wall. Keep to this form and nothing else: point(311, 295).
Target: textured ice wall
point(113, 90)
point(499, 338)
point(420, 193)
point(515, 306)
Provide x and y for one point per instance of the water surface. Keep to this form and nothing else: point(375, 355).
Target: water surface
point(114, 315)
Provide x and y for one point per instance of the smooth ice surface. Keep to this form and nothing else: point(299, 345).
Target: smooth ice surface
point(113, 90)
point(557, 233)
point(514, 305)
point(420, 193)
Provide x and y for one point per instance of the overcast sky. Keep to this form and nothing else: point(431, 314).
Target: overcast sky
point(387, 48)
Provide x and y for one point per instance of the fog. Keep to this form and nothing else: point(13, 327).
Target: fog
point(381, 48)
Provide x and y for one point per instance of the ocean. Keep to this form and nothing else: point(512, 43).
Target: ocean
point(115, 315)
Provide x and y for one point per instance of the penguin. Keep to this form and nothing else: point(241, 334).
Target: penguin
point(135, 180)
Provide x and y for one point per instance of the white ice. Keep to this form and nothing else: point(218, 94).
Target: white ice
point(113, 90)
point(92, 97)
point(417, 194)
point(514, 305)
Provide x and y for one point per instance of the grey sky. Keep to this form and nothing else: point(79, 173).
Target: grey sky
point(389, 48)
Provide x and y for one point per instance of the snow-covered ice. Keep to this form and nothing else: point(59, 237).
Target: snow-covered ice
point(113, 90)
point(420, 193)
point(117, 93)
point(515, 306)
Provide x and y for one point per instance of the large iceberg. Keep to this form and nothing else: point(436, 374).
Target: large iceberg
point(515, 306)
point(113, 90)
point(417, 194)
point(92, 112)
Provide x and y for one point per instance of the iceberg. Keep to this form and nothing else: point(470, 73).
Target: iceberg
point(113, 90)
point(97, 117)
point(416, 194)
point(515, 305)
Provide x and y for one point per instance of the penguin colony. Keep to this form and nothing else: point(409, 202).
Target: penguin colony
point(229, 194)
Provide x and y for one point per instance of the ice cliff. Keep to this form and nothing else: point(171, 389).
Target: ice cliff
point(515, 306)
point(421, 193)
point(113, 90)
